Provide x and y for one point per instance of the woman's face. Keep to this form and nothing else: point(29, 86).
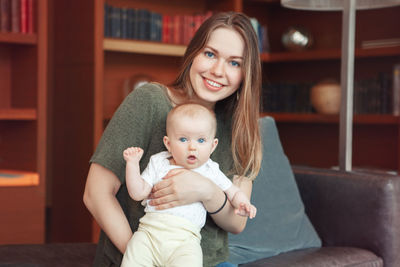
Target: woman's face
point(216, 72)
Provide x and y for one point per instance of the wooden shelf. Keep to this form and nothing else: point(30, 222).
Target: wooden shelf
point(18, 38)
point(370, 119)
point(153, 48)
point(18, 114)
point(327, 54)
point(142, 47)
point(18, 178)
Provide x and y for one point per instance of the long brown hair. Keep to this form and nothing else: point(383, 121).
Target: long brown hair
point(243, 106)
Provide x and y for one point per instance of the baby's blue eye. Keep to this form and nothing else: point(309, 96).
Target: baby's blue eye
point(209, 54)
point(183, 139)
point(201, 140)
point(235, 63)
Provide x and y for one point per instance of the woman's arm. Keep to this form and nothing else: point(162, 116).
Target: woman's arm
point(181, 187)
point(227, 219)
point(99, 197)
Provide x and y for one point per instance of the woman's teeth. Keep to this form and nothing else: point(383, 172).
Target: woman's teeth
point(212, 83)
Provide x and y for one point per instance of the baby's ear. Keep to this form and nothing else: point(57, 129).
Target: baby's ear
point(166, 142)
point(214, 145)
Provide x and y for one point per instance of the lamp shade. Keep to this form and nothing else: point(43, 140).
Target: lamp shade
point(330, 5)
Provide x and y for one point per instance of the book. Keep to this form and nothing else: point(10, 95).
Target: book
point(115, 22)
point(396, 90)
point(166, 20)
point(131, 23)
point(380, 43)
point(18, 178)
point(146, 25)
point(143, 21)
point(5, 15)
point(15, 16)
point(155, 26)
point(30, 19)
point(124, 22)
point(24, 16)
point(106, 22)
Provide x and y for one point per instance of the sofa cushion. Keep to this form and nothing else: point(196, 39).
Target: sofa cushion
point(46, 255)
point(281, 224)
point(326, 256)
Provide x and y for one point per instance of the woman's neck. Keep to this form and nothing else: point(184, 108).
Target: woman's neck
point(179, 97)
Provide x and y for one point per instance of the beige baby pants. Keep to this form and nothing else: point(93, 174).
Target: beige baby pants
point(164, 240)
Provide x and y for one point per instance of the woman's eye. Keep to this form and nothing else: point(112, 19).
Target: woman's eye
point(183, 139)
point(235, 63)
point(201, 140)
point(209, 54)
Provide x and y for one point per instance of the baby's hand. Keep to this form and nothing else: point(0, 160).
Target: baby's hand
point(246, 210)
point(133, 154)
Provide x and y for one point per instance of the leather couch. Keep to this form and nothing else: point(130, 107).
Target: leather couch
point(356, 215)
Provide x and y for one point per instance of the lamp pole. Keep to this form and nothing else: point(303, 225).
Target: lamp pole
point(347, 84)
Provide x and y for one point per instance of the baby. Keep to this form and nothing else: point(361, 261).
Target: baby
point(172, 236)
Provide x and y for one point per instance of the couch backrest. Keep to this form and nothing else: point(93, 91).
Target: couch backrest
point(359, 209)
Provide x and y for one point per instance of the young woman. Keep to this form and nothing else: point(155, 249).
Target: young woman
point(221, 70)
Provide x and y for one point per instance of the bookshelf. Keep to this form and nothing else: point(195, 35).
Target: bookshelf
point(315, 55)
point(91, 70)
point(23, 131)
point(142, 47)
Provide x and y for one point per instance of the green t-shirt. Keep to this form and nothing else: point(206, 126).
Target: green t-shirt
point(140, 121)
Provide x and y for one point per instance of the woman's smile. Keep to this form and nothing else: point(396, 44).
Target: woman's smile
point(212, 85)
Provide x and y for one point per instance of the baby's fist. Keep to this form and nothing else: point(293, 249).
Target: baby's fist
point(133, 154)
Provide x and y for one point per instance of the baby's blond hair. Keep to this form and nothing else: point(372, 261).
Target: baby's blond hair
point(194, 111)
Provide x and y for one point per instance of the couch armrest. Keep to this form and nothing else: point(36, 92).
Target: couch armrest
point(358, 209)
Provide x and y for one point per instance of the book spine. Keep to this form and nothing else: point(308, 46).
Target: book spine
point(124, 23)
point(155, 26)
point(106, 24)
point(130, 23)
point(116, 22)
point(30, 16)
point(24, 16)
point(15, 16)
point(176, 29)
point(142, 23)
point(159, 26)
point(136, 24)
point(165, 28)
point(396, 90)
point(5, 14)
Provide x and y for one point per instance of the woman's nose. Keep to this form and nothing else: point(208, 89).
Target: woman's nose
point(218, 68)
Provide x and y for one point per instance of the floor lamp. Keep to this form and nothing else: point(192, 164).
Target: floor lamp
point(348, 8)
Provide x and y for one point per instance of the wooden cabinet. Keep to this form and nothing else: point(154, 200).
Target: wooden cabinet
point(23, 131)
point(90, 72)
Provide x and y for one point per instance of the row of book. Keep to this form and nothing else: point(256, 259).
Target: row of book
point(287, 97)
point(17, 16)
point(146, 25)
point(371, 96)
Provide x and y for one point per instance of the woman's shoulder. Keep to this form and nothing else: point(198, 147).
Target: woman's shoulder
point(150, 96)
point(151, 89)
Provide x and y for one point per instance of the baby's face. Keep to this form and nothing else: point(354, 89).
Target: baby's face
point(190, 141)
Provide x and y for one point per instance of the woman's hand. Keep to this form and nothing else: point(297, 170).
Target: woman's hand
point(181, 187)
